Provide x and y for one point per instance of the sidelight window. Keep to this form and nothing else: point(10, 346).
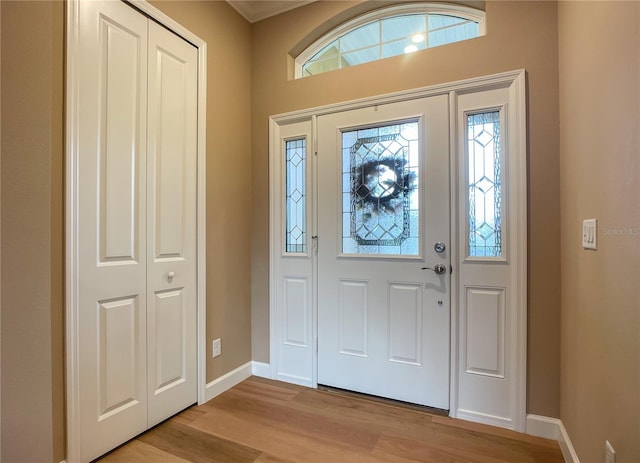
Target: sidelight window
point(296, 227)
point(484, 184)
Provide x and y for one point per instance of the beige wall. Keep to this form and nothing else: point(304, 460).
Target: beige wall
point(600, 178)
point(229, 182)
point(519, 35)
point(31, 221)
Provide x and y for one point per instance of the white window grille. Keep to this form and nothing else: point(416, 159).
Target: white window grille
point(390, 32)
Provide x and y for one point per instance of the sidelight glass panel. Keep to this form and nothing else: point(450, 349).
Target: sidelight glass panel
point(380, 195)
point(484, 184)
point(296, 226)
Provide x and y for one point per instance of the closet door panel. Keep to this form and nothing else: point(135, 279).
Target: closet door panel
point(171, 224)
point(111, 225)
point(169, 330)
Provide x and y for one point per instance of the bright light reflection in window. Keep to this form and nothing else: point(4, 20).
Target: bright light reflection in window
point(389, 32)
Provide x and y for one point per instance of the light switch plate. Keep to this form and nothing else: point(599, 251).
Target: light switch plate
point(589, 234)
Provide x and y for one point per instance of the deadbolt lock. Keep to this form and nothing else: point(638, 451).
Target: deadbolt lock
point(439, 247)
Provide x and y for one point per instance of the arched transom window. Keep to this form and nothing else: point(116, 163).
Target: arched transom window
point(390, 32)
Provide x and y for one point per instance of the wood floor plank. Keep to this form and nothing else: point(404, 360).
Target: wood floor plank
point(298, 422)
point(264, 389)
point(188, 415)
point(484, 428)
point(196, 446)
point(479, 444)
point(280, 441)
point(266, 458)
point(437, 451)
point(139, 452)
point(265, 421)
point(495, 442)
point(374, 416)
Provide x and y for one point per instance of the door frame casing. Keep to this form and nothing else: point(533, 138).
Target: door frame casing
point(515, 82)
point(71, 207)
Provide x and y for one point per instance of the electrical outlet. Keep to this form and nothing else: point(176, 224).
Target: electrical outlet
point(217, 347)
point(609, 453)
point(589, 234)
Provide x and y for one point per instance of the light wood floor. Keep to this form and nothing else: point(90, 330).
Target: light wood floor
point(266, 421)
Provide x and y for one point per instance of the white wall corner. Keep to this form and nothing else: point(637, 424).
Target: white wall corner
point(227, 381)
point(261, 369)
point(552, 428)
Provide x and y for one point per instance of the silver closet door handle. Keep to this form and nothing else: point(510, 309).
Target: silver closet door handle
point(440, 269)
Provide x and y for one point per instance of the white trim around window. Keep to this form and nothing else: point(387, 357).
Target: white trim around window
point(460, 11)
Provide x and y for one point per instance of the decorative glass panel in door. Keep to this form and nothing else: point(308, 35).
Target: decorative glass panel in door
point(380, 193)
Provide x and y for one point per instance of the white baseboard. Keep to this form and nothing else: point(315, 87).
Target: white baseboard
point(227, 381)
point(543, 426)
point(553, 428)
point(293, 379)
point(484, 418)
point(568, 452)
point(263, 370)
point(260, 369)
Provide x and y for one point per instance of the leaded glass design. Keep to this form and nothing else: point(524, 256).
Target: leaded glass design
point(392, 34)
point(380, 196)
point(485, 184)
point(296, 227)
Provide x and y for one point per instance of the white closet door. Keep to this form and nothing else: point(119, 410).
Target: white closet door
point(136, 215)
point(111, 235)
point(171, 224)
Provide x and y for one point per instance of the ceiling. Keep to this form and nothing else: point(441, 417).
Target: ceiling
point(256, 10)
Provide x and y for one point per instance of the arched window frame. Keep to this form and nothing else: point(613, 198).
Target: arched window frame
point(460, 11)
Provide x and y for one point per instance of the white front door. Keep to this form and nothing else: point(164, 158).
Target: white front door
point(383, 228)
point(135, 186)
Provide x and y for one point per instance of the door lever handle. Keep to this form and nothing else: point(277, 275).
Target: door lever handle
point(440, 269)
